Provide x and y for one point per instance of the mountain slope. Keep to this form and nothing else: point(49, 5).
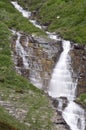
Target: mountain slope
point(17, 96)
point(67, 17)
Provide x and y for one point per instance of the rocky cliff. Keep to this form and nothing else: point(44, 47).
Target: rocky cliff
point(78, 56)
point(35, 57)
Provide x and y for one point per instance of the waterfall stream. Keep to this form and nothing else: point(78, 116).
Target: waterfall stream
point(61, 84)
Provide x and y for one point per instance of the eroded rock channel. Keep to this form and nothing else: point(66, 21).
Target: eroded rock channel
point(35, 57)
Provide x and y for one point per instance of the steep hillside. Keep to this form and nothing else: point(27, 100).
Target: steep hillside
point(17, 96)
point(22, 105)
point(67, 17)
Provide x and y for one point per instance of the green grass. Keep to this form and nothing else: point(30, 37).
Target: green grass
point(13, 19)
point(12, 84)
point(82, 99)
point(72, 22)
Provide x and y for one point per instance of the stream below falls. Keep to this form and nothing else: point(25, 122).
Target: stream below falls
point(62, 84)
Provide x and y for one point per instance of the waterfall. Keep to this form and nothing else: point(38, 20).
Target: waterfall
point(75, 116)
point(25, 55)
point(25, 13)
point(20, 50)
point(62, 84)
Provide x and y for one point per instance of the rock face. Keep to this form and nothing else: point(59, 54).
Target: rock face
point(78, 56)
point(58, 119)
point(35, 57)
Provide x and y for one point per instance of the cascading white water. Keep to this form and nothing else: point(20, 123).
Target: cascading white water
point(20, 50)
point(62, 84)
point(74, 115)
point(20, 9)
point(25, 55)
point(26, 14)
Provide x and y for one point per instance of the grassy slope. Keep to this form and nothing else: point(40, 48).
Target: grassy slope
point(13, 19)
point(9, 123)
point(10, 82)
point(72, 22)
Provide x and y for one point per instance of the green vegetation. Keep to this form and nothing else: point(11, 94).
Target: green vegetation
point(82, 99)
point(9, 123)
point(14, 88)
point(11, 18)
point(67, 17)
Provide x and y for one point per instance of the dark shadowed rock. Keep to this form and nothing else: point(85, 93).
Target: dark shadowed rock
point(25, 72)
point(59, 122)
point(77, 46)
point(23, 40)
point(62, 100)
point(19, 61)
point(55, 103)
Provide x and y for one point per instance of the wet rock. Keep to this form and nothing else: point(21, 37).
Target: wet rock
point(77, 46)
point(78, 58)
point(55, 103)
point(25, 72)
point(59, 121)
point(36, 57)
point(23, 40)
point(19, 61)
point(13, 43)
point(31, 39)
point(43, 40)
point(62, 100)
